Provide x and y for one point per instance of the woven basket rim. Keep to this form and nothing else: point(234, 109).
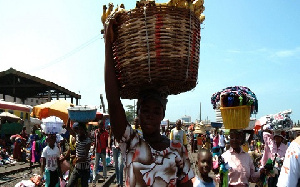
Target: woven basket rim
point(235, 107)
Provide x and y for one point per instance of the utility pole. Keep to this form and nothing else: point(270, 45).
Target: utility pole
point(200, 111)
point(134, 112)
point(102, 103)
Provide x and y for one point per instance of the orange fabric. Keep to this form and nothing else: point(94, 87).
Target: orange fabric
point(199, 140)
point(58, 108)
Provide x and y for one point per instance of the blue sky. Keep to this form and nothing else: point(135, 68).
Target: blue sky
point(248, 43)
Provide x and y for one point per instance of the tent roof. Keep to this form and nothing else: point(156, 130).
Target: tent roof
point(23, 86)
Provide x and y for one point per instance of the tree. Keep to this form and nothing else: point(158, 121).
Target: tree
point(130, 113)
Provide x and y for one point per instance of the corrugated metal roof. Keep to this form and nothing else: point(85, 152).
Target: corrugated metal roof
point(18, 84)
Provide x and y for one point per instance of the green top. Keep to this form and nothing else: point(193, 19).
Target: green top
point(38, 132)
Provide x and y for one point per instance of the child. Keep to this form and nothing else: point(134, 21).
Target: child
point(50, 162)
point(204, 167)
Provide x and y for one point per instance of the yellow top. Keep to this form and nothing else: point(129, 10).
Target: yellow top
point(72, 145)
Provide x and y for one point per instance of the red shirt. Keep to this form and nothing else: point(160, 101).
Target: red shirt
point(101, 139)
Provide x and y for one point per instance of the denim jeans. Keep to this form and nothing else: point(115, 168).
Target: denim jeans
point(118, 160)
point(103, 160)
point(84, 174)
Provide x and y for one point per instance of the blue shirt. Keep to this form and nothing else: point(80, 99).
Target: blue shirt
point(200, 183)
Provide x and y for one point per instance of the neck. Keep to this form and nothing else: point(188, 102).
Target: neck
point(155, 137)
point(278, 144)
point(82, 136)
point(205, 177)
point(237, 149)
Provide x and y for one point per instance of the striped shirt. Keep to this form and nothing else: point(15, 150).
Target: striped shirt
point(81, 152)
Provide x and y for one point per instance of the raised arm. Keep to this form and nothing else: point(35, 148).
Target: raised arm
point(117, 115)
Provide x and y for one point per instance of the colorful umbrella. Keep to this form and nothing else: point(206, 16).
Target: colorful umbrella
point(9, 117)
point(58, 108)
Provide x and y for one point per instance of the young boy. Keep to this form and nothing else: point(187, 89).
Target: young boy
point(50, 162)
point(204, 167)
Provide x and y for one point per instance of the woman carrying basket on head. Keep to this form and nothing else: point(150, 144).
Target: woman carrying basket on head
point(151, 160)
point(241, 169)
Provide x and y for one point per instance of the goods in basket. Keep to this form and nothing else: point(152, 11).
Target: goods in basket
point(196, 6)
point(52, 125)
point(235, 96)
point(236, 105)
point(82, 113)
point(280, 121)
point(103, 17)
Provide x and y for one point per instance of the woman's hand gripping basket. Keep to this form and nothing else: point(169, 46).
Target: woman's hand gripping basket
point(82, 113)
point(157, 45)
point(236, 104)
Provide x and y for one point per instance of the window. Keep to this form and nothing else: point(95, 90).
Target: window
point(37, 101)
point(27, 116)
point(21, 115)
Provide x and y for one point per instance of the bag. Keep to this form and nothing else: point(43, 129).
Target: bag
point(64, 166)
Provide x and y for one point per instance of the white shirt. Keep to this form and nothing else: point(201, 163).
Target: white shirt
point(177, 136)
point(290, 170)
point(221, 140)
point(51, 156)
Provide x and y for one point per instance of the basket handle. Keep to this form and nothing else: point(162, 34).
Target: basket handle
point(148, 48)
point(188, 65)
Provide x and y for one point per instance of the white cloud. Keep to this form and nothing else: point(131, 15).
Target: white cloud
point(288, 53)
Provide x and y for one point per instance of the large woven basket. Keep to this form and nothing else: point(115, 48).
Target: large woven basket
point(236, 117)
point(156, 47)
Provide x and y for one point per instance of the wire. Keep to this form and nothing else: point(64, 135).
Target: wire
point(67, 55)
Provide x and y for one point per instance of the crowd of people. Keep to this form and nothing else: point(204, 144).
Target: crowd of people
point(247, 155)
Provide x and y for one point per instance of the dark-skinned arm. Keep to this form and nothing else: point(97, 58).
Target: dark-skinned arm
point(118, 119)
point(43, 164)
point(59, 168)
point(69, 128)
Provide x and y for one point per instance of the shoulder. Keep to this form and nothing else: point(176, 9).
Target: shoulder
point(297, 140)
point(226, 154)
point(45, 148)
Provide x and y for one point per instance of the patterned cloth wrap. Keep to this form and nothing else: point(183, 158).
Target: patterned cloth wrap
point(142, 161)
